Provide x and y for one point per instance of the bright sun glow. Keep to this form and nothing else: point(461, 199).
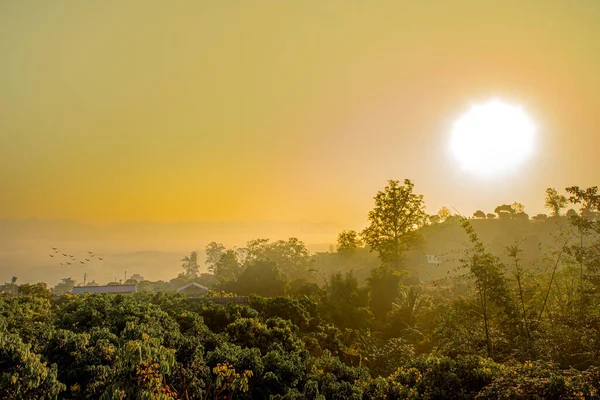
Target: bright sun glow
point(492, 138)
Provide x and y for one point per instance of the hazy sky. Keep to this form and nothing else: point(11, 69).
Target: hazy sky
point(117, 111)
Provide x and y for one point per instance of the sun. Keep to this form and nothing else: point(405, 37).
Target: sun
point(493, 138)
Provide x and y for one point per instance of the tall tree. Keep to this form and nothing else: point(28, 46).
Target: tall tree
point(213, 253)
point(394, 221)
point(486, 272)
point(228, 268)
point(190, 265)
point(555, 201)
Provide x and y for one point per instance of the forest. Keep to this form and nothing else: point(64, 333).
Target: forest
point(509, 309)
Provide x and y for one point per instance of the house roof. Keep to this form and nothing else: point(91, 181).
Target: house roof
point(192, 284)
point(104, 289)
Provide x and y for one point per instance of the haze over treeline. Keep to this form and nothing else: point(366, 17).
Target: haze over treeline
point(507, 304)
point(155, 250)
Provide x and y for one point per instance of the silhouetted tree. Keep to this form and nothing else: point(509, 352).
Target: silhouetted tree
point(444, 213)
point(518, 207)
point(348, 242)
point(261, 277)
point(505, 211)
point(213, 252)
point(291, 256)
point(64, 286)
point(190, 265)
point(479, 214)
point(228, 267)
point(555, 201)
point(394, 221)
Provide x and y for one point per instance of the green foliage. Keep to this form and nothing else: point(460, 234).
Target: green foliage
point(23, 373)
point(261, 277)
point(384, 285)
point(344, 303)
point(228, 268)
point(37, 290)
point(515, 324)
point(348, 242)
point(555, 202)
point(394, 221)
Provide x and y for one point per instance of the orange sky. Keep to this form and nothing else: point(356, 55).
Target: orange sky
point(282, 110)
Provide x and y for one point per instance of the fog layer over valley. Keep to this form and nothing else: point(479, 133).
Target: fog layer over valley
point(151, 249)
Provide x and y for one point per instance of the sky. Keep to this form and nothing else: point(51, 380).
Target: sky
point(115, 112)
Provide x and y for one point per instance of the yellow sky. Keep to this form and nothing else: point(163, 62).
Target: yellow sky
point(282, 110)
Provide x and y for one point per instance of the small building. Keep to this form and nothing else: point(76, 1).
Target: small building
point(193, 289)
point(123, 289)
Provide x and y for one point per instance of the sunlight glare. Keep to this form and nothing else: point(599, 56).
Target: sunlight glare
point(492, 138)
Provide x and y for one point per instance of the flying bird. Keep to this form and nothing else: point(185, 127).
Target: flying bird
point(55, 248)
point(100, 258)
point(90, 252)
point(51, 255)
point(64, 254)
point(82, 262)
point(68, 263)
point(61, 263)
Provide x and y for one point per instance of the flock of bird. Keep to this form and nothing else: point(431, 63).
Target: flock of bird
point(71, 259)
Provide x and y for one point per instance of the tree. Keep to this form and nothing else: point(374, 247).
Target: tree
point(394, 221)
point(190, 265)
point(348, 242)
point(228, 268)
point(479, 214)
point(384, 285)
point(518, 207)
point(64, 286)
point(291, 256)
point(555, 202)
point(137, 277)
point(213, 252)
point(505, 211)
point(23, 373)
point(37, 290)
point(261, 277)
point(490, 215)
point(444, 213)
point(486, 271)
point(345, 303)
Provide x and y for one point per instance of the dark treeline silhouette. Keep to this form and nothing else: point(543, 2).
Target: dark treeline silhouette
point(506, 306)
